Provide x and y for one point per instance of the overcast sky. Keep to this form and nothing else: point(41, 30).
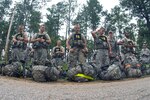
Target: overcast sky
point(107, 5)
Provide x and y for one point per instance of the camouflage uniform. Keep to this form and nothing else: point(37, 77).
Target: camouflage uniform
point(126, 51)
point(145, 60)
point(40, 49)
point(115, 70)
point(77, 56)
point(132, 66)
point(57, 58)
point(18, 48)
point(102, 53)
point(42, 73)
point(115, 50)
point(145, 55)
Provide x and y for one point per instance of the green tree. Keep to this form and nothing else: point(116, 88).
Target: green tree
point(82, 19)
point(56, 17)
point(94, 10)
point(139, 8)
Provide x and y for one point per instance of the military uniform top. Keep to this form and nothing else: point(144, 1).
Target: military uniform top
point(101, 42)
point(39, 44)
point(145, 52)
point(114, 46)
point(41, 35)
point(77, 40)
point(19, 44)
point(124, 48)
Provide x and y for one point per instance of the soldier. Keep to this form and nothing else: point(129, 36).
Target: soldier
point(127, 47)
point(41, 42)
point(103, 49)
point(58, 54)
point(115, 70)
point(145, 54)
point(114, 46)
point(145, 59)
point(19, 45)
point(132, 67)
point(76, 44)
point(17, 60)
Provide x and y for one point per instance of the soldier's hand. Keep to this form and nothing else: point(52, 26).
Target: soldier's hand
point(117, 57)
point(71, 50)
point(21, 38)
point(15, 41)
point(84, 50)
point(42, 40)
point(38, 39)
point(110, 53)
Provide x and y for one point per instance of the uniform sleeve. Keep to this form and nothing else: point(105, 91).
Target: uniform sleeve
point(25, 35)
point(47, 37)
point(53, 50)
point(34, 36)
point(63, 49)
point(83, 38)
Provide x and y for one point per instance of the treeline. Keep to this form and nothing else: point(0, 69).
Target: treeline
point(89, 16)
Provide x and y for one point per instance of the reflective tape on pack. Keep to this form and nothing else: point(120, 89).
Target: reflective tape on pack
point(85, 76)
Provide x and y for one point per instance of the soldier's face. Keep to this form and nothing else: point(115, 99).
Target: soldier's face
point(111, 34)
point(127, 34)
point(144, 46)
point(77, 28)
point(59, 43)
point(42, 28)
point(21, 28)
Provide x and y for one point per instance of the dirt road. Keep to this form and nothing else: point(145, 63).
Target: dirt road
point(20, 89)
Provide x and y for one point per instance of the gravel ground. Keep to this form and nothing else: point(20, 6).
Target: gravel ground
point(26, 89)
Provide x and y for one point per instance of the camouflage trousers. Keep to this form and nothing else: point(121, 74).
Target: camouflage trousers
point(102, 58)
point(17, 54)
point(40, 56)
point(76, 57)
point(42, 73)
point(57, 61)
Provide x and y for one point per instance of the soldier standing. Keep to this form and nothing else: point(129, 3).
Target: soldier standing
point(114, 46)
point(103, 48)
point(41, 42)
point(19, 45)
point(76, 44)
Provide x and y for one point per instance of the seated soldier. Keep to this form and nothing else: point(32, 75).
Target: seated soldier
point(58, 54)
point(145, 59)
